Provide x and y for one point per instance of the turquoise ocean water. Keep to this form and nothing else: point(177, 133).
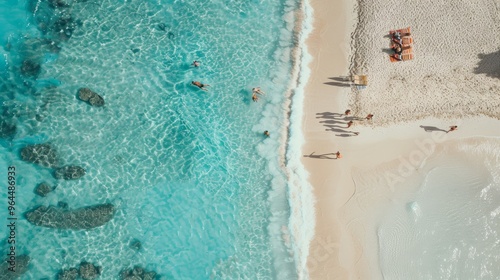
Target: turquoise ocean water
point(190, 172)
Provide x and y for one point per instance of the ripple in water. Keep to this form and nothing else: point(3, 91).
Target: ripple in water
point(450, 227)
point(190, 173)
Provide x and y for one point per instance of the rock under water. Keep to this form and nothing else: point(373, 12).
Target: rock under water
point(41, 154)
point(89, 271)
point(31, 68)
point(94, 99)
point(21, 266)
point(68, 274)
point(43, 189)
point(137, 273)
point(70, 172)
point(7, 129)
point(81, 218)
point(135, 244)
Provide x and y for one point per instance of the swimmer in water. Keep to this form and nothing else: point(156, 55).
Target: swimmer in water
point(200, 85)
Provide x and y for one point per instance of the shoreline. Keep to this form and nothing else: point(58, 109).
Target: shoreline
point(299, 231)
point(329, 46)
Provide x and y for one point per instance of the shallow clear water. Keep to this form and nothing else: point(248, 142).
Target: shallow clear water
point(450, 227)
point(190, 173)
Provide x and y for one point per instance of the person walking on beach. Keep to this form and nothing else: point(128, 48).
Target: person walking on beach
point(266, 133)
point(369, 117)
point(339, 156)
point(255, 98)
point(257, 90)
point(349, 124)
point(452, 128)
point(347, 112)
point(200, 85)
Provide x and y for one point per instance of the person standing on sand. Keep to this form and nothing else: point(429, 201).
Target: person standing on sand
point(452, 128)
point(349, 124)
point(339, 156)
point(369, 117)
point(347, 112)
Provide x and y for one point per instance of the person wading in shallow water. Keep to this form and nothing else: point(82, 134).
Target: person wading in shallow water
point(200, 85)
point(255, 98)
point(257, 90)
point(266, 133)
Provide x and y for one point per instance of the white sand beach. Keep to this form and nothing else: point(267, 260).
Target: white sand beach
point(456, 65)
point(454, 79)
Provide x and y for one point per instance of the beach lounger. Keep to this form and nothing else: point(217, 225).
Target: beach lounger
point(407, 41)
point(406, 49)
point(406, 38)
point(404, 57)
point(360, 81)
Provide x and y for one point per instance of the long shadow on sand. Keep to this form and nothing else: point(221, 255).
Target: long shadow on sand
point(323, 156)
point(336, 122)
point(328, 122)
point(328, 115)
point(341, 81)
point(351, 134)
point(388, 50)
point(432, 128)
point(344, 79)
point(489, 64)
point(338, 84)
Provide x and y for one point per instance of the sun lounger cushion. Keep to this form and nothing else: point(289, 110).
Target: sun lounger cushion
point(404, 57)
point(403, 30)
